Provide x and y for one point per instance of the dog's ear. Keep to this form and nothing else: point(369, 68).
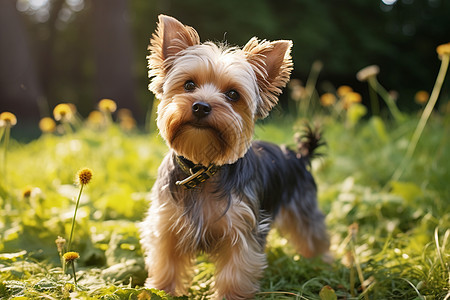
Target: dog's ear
point(272, 64)
point(170, 38)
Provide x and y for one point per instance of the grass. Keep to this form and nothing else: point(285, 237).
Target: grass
point(390, 234)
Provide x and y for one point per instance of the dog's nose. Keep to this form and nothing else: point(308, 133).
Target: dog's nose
point(201, 109)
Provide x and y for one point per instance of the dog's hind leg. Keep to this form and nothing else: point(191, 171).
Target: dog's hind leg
point(301, 221)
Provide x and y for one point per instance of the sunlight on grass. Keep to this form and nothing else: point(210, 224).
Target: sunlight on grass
point(390, 236)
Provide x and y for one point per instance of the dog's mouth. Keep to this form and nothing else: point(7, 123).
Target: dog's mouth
point(200, 125)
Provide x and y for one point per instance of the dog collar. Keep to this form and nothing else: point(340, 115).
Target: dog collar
point(197, 173)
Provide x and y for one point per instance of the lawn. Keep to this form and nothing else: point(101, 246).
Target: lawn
point(388, 214)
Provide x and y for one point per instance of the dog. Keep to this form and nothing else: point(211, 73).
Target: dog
point(217, 191)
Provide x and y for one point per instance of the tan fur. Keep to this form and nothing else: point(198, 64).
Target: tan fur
point(229, 227)
point(227, 238)
point(307, 240)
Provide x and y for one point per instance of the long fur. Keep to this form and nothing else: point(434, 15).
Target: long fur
point(257, 185)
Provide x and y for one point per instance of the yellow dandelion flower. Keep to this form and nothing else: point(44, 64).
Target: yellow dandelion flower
point(351, 98)
point(327, 99)
point(443, 49)
point(84, 176)
point(107, 105)
point(62, 112)
point(71, 256)
point(127, 124)
point(95, 118)
point(421, 97)
point(7, 119)
point(124, 113)
point(367, 72)
point(60, 243)
point(47, 125)
point(73, 108)
point(343, 90)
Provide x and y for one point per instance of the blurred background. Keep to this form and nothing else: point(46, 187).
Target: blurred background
point(81, 51)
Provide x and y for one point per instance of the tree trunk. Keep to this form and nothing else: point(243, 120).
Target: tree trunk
point(114, 53)
point(20, 90)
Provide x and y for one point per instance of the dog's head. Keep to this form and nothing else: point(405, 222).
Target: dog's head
point(211, 95)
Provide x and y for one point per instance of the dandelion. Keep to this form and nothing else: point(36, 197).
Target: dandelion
point(60, 244)
point(70, 257)
point(343, 90)
point(297, 89)
point(7, 120)
point(369, 74)
point(327, 99)
point(126, 120)
point(84, 176)
point(107, 105)
point(63, 112)
point(421, 97)
point(443, 52)
point(47, 125)
point(128, 124)
point(351, 98)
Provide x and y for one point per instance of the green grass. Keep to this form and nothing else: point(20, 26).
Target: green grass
point(398, 248)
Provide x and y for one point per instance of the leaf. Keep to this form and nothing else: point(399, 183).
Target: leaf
point(379, 127)
point(327, 293)
point(407, 190)
point(12, 256)
point(355, 112)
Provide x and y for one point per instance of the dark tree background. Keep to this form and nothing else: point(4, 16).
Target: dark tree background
point(80, 51)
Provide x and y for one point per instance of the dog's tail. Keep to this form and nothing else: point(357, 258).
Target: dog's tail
point(308, 142)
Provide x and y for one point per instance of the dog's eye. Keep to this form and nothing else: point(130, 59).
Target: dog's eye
point(232, 95)
point(189, 86)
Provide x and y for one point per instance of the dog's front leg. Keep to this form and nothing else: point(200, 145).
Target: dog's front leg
point(239, 267)
point(168, 267)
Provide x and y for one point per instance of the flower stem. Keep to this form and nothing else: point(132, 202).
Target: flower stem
point(5, 149)
point(423, 118)
point(374, 105)
point(74, 217)
point(74, 273)
point(310, 87)
point(387, 99)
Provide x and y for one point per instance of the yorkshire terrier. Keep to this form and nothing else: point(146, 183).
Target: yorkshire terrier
point(217, 192)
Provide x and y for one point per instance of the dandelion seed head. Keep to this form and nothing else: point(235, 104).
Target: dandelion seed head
point(7, 119)
point(60, 243)
point(62, 112)
point(71, 256)
point(367, 72)
point(47, 125)
point(84, 176)
point(107, 105)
